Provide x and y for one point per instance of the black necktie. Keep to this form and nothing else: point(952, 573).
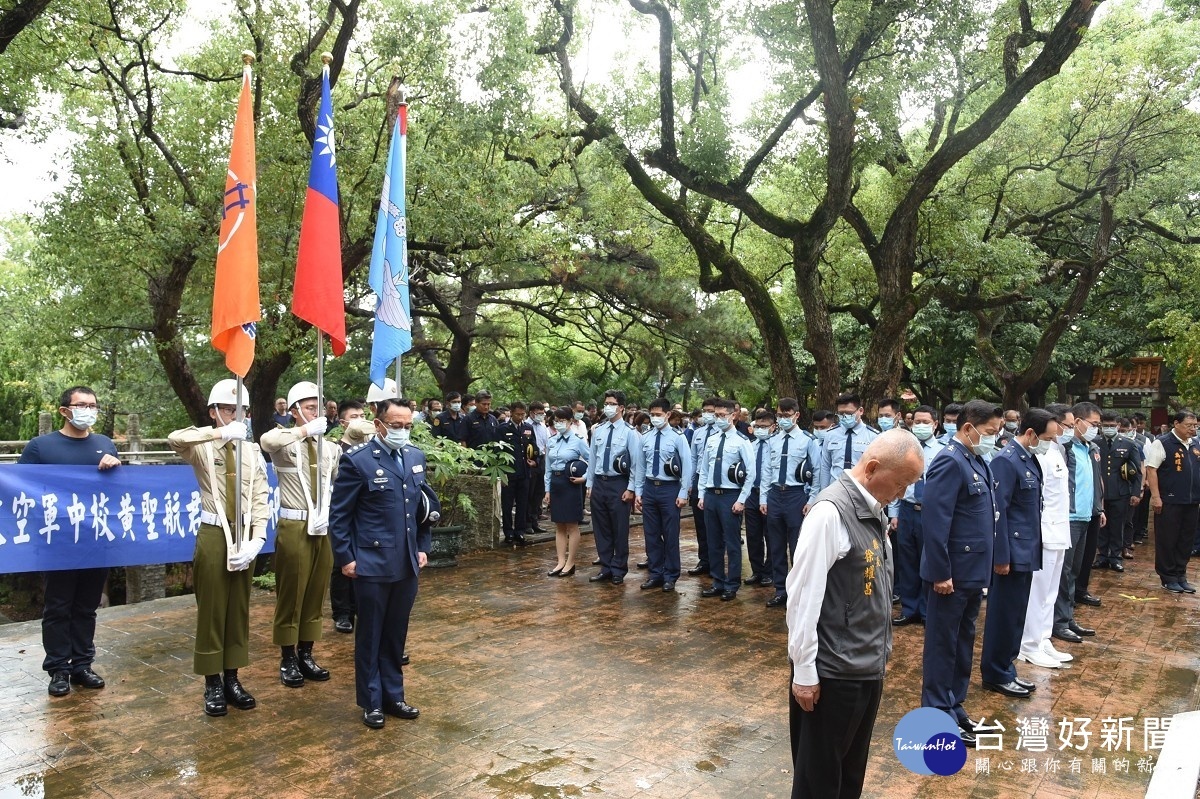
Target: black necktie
point(783, 462)
point(657, 443)
point(919, 488)
point(758, 460)
point(719, 464)
point(608, 449)
point(847, 462)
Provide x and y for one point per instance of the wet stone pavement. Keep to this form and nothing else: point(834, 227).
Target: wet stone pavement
point(535, 687)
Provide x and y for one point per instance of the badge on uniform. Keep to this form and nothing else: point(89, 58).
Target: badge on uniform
point(417, 468)
point(379, 472)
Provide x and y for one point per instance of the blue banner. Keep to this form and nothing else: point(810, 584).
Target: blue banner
point(75, 517)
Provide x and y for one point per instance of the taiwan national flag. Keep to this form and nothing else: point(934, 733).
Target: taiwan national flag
point(317, 296)
point(236, 310)
point(389, 261)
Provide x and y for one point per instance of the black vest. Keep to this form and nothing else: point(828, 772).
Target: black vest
point(1179, 474)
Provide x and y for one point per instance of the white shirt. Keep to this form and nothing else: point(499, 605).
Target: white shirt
point(1156, 453)
point(1056, 499)
point(824, 542)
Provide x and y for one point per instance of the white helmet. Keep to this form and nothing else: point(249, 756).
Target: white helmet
point(225, 393)
point(377, 394)
point(303, 390)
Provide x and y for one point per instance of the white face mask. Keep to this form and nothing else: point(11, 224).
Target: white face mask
point(762, 433)
point(1109, 432)
point(610, 411)
point(1041, 447)
point(1065, 438)
point(1091, 433)
point(83, 418)
point(539, 417)
point(456, 406)
point(397, 438)
point(658, 421)
point(560, 426)
point(578, 415)
point(923, 431)
point(722, 424)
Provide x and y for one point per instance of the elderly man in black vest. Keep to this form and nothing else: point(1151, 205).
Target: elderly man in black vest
point(1173, 474)
point(839, 606)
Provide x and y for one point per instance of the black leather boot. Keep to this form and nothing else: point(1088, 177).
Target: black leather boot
point(235, 694)
point(290, 673)
point(214, 696)
point(308, 666)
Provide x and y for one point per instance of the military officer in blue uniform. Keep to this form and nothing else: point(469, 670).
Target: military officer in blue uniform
point(519, 435)
point(959, 521)
point(699, 437)
point(785, 492)
point(1018, 550)
point(722, 499)
point(611, 490)
point(844, 444)
point(910, 537)
point(666, 473)
point(1121, 465)
point(379, 542)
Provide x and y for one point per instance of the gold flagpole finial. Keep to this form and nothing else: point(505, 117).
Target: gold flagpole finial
point(326, 58)
point(248, 57)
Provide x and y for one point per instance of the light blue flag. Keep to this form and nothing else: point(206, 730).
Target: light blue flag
point(389, 262)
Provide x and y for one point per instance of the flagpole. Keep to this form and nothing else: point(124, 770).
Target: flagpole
point(325, 59)
point(399, 381)
point(240, 414)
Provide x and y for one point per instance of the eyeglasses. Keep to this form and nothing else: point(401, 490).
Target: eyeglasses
point(396, 426)
point(84, 407)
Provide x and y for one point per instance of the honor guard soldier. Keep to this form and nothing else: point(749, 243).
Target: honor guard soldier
point(959, 521)
point(662, 492)
point(452, 422)
point(482, 427)
point(910, 535)
point(762, 432)
point(72, 595)
point(844, 444)
point(1121, 464)
point(381, 541)
point(1018, 550)
point(303, 558)
point(722, 498)
point(786, 484)
point(1173, 472)
point(226, 546)
point(699, 439)
point(518, 434)
point(375, 394)
point(612, 477)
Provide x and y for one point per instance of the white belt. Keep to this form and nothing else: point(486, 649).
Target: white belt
point(294, 515)
point(215, 520)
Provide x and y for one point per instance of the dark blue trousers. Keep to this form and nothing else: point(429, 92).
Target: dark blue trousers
point(701, 528)
point(724, 538)
point(910, 543)
point(785, 514)
point(949, 648)
point(1008, 599)
point(660, 524)
point(610, 524)
point(756, 537)
point(379, 637)
point(69, 618)
point(514, 507)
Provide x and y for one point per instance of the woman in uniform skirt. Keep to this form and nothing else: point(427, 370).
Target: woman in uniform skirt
point(564, 493)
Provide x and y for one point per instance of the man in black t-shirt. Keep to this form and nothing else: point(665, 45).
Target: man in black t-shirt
point(72, 595)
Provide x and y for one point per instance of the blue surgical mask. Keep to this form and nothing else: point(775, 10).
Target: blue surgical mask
point(986, 446)
point(848, 420)
point(83, 418)
point(397, 438)
point(560, 426)
point(886, 422)
point(923, 431)
point(1041, 447)
point(456, 406)
point(1090, 435)
point(707, 417)
point(722, 424)
point(950, 427)
point(1011, 426)
point(1065, 438)
point(1109, 432)
point(579, 415)
point(821, 433)
point(643, 428)
point(762, 433)
point(786, 423)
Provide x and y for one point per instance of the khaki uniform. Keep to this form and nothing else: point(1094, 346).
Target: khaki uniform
point(303, 558)
point(222, 596)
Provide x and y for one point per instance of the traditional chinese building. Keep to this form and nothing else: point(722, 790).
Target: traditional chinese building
point(1143, 383)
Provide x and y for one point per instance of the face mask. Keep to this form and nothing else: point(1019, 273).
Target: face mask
point(658, 421)
point(950, 427)
point(1126, 436)
point(578, 416)
point(397, 438)
point(886, 423)
point(847, 420)
point(644, 428)
point(560, 426)
point(708, 417)
point(986, 445)
point(610, 411)
point(722, 424)
point(1065, 438)
point(923, 431)
point(1109, 432)
point(1091, 434)
point(83, 418)
point(786, 423)
point(820, 434)
point(1011, 426)
point(539, 417)
point(762, 433)
point(1041, 447)
point(470, 409)
point(456, 406)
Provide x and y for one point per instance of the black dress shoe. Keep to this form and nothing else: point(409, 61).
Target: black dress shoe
point(1117, 567)
point(643, 564)
point(1187, 587)
point(668, 586)
point(1174, 588)
point(554, 572)
point(777, 601)
point(904, 621)
point(214, 696)
point(519, 540)
point(568, 573)
point(751, 580)
point(1088, 599)
point(967, 736)
point(60, 683)
point(728, 596)
point(400, 710)
point(238, 696)
point(309, 667)
point(1026, 684)
point(600, 578)
point(1101, 564)
point(711, 592)
point(374, 718)
point(1064, 634)
point(895, 599)
point(596, 562)
point(699, 570)
point(1085, 631)
point(86, 678)
point(646, 586)
point(766, 581)
point(618, 579)
point(1008, 689)
point(343, 625)
point(404, 659)
point(289, 671)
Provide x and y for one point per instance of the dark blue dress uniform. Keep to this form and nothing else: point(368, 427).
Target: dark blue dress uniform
point(1179, 489)
point(514, 491)
point(1018, 480)
point(959, 521)
point(910, 538)
point(449, 424)
point(482, 428)
point(373, 522)
point(1121, 464)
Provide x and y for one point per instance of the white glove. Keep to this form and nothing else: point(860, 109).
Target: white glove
point(316, 427)
point(234, 431)
point(250, 549)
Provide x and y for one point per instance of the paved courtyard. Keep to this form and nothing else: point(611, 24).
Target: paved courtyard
point(535, 687)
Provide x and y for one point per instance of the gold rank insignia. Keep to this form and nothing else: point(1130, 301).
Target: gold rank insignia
point(436, 421)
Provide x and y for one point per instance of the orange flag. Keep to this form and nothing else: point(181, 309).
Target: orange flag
point(236, 308)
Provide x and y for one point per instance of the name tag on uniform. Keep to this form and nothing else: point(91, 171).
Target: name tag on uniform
point(380, 480)
point(418, 468)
